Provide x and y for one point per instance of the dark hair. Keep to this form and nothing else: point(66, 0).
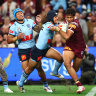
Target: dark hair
point(60, 7)
point(70, 11)
point(77, 11)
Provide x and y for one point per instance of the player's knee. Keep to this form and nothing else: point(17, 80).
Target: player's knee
point(39, 69)
point(67, 65)
point(60, 60)
point(76, 69)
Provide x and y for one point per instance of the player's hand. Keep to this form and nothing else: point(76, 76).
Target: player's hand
point(38, 19)
point(57, 28)
point(20, 35)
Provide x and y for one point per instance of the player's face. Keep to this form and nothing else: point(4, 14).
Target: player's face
point(55, 19)
point(20, 16)
point(69, 18)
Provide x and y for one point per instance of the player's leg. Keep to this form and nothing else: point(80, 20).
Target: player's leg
point(4, 79)
point(68, 56)
point(77, 63)
point(26, 72)
point(24, 65)
point(43, 77)
point(54, 54)
point(24, 56)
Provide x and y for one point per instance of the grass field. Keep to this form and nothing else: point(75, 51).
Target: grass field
point(37, 90)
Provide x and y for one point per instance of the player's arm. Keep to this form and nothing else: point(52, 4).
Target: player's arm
point(12, 39)
point(66, 35)
point(70, 31)
point(55, 28)
point(38, 25)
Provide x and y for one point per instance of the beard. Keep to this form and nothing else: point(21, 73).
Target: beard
point(20, 19)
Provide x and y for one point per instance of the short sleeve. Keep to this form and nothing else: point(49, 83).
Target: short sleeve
point(72, 27)
point(12, 30)
point(33, 23)
point(49, 26)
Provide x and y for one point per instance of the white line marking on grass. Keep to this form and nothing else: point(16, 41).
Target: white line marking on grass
point(92, 92)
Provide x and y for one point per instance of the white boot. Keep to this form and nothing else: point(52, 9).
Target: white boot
point(8, 90)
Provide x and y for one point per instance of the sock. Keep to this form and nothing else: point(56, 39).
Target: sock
point(45, 84)
point(24, 76)
point(56, 68)
point(78, 83)
point(5, 83)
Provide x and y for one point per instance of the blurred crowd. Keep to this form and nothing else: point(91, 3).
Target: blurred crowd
point(85, 12)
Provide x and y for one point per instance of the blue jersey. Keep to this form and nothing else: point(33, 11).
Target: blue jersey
point(45, 36)
point(27, 29)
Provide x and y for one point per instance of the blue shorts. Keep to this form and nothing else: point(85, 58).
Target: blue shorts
point(24, 54)
point(37, 54)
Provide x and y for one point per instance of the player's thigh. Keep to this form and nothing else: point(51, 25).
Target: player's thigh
point(24, 64)
point(32, 64)
point(76, 63)
point(67, 57)
point(54, 54)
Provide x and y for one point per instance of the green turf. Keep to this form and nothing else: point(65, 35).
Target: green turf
point(36, 90)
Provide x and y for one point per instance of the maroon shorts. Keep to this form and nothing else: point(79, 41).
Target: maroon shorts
point(78, 53)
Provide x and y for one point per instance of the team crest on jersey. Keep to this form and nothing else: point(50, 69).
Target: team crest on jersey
point(29, 27)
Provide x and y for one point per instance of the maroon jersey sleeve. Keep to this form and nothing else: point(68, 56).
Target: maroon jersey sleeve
point(72, 26)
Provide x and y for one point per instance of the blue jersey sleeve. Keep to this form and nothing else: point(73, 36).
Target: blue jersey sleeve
point(12, 30)
point(50, 25)
point(32, 22)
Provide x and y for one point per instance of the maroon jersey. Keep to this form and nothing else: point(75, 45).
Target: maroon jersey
point(76, 41)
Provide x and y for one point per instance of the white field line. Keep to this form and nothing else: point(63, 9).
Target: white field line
point(92, 92)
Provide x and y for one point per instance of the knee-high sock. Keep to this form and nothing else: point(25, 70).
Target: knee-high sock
point(5, 83)
point(45, 84)
point(24, 76)
point(56, 68)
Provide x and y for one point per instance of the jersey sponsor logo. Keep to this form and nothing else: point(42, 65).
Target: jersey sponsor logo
point(23, 57)
point(26, 38)
point(72, 26)
point(10, 31)
point(39, 58)
point(49, 41)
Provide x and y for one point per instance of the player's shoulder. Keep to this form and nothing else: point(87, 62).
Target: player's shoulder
point(48, 24)
point(13, 26)
point(29, 20)
point(74, 24)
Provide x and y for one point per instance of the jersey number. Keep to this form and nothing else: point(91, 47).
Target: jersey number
point(27, 37)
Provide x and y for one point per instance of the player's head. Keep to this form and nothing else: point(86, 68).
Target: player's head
point(18, 14)
point(70, 14)
point(52, 16)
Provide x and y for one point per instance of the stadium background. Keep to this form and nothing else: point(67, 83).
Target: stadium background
point(14, 70)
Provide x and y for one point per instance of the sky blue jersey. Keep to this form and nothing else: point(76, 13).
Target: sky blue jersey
point(45, 36)
point(26, 28)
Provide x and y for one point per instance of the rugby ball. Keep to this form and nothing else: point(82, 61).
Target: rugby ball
point(63, 26)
